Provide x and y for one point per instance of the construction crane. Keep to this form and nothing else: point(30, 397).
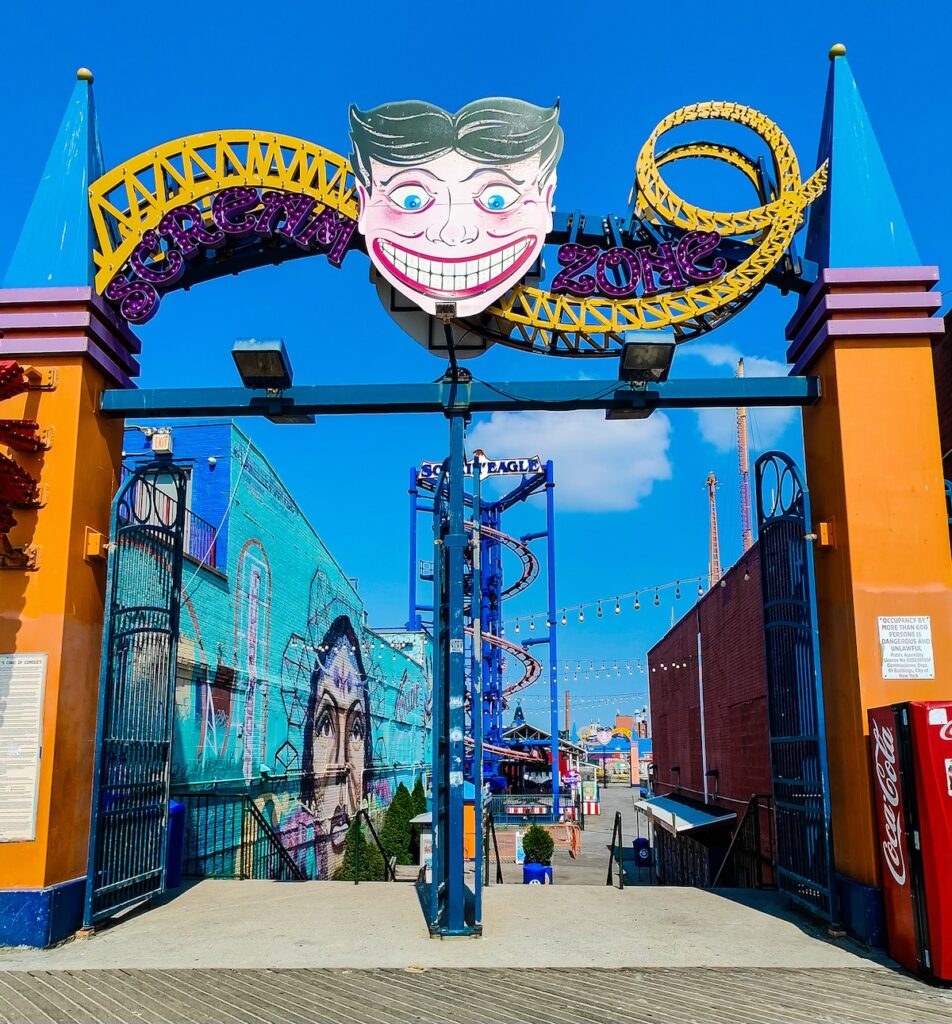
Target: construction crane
point(715, 545)
point(746, 529)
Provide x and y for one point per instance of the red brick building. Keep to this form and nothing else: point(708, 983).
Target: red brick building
point(708, 692)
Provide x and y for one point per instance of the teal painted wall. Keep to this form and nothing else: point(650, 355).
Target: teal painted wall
point(282, 690)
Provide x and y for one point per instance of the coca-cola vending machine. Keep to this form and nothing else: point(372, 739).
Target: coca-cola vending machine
point(911, 747)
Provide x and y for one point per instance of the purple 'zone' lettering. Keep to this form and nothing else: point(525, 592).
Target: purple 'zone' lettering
point(575, 259)
point(664, 261)
point(616, 259)
point(694, 246)
point(231, 210)
point(167, 272)
point(292, 209)
point(183, 228)
point(137, 300)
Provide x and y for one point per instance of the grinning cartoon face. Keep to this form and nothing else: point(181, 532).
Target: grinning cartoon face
point(455, 208)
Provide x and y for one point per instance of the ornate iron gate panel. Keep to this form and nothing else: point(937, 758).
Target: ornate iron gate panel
point(136, 692)
point(794, 686)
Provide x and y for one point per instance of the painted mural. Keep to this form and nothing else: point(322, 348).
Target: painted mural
point(283, 691)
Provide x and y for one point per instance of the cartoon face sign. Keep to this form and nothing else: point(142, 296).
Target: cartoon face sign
point(455, 208)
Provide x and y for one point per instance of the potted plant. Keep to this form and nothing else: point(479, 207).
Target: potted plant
point(537, 845)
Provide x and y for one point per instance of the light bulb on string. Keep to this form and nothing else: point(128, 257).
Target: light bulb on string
point(565, 621)
point(581, 614)
point(637, 605)
point(599, 612)
point(617, 607)
point(746, 574)
point(677, 590)
point(657, 599)
point(517, 625)
point(532, 623)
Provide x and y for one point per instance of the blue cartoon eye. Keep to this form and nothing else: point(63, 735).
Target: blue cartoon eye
point(496, 198)
point(410, 198)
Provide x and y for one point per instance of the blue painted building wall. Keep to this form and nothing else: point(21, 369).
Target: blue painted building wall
point(283, 691)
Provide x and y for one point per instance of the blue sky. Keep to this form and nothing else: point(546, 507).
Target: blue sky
point(632, 501)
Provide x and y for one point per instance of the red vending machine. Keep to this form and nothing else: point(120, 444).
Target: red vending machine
point(911, 746)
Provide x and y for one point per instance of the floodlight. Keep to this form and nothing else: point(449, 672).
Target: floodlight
point(647, 360)
point(262, 363)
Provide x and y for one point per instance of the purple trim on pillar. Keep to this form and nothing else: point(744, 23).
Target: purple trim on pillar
point(823, 316)
point(925, 277)
point(73, 321)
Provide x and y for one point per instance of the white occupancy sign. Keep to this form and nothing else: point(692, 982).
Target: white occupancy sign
point(906, 643)
point(22, 682)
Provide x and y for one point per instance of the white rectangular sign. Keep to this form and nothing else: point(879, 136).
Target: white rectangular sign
point(488, 467)
point(22, 682)
point(906, 643)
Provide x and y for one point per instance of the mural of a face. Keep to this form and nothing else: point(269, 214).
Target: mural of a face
point(455, 208)
point(339, 747)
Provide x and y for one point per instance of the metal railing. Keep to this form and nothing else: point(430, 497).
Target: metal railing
point(227, 836)
point(491, 828)
point(745, 866)
point(616, 858)
point(529, 808)
point(155, 506)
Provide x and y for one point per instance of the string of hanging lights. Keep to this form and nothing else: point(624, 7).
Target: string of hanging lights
point(572, 611)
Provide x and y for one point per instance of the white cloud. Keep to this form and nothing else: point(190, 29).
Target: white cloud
point(600, 465)
point(718, 427)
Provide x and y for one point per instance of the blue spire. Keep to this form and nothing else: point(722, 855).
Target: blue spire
point(56, 243)
point(858, 221)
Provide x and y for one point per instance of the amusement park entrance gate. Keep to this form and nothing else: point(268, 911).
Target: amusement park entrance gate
point(797, 731)
point(136, 696)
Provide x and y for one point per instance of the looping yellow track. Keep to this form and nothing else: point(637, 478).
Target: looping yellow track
point(545, 322)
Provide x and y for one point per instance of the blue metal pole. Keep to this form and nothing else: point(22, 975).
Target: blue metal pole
point(553, 649)
point(438, 782)
point(476, 694)
point(454, 922)
point(413, 618)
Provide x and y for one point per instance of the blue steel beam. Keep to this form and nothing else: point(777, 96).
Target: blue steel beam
point(347, 399)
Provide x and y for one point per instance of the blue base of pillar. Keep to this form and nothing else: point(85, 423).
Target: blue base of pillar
point(861, 911)
point(41, 917)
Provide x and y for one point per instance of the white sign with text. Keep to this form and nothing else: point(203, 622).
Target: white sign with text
point(22, 682)
point(906, 643)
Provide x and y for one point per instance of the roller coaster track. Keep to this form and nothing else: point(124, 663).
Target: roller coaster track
point(130, 201)
point(530, 564)
point(531, 668)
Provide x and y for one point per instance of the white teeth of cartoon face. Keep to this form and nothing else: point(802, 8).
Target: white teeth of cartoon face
point(446, 275)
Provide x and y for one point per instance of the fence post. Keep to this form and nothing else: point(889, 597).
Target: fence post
point(357, 840)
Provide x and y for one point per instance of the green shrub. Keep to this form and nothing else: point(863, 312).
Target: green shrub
point(537, 845)
point(372, 867)
point(419, 797)
point(395, 834)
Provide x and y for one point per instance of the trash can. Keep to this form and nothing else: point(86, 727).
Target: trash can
point(536, 874)
point(642, 850)
point(175, 845)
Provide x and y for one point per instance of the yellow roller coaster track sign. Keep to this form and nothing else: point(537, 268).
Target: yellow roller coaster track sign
point(246, 198)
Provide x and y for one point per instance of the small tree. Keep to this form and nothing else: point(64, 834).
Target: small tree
point(395, 834)
point(419, 797)
point(418, 801)
point(537, 845)
point(372, 868)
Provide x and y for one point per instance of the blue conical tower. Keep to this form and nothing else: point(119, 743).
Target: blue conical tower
point(858, 221)
point(55, 246)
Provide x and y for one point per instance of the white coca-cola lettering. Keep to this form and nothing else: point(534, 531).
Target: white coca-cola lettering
point(884, 759)
point(945, 733)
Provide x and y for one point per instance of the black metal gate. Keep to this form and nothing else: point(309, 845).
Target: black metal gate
point(136, 692)
point(794, 686)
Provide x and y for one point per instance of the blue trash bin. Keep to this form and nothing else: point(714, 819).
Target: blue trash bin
point(175, 845)
point(642, 850)
point(536, 874)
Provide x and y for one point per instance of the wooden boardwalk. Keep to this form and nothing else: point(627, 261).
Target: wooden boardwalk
point(470, 996)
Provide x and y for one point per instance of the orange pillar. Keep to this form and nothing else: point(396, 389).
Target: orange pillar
point(874, 469)
point(57, 608)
